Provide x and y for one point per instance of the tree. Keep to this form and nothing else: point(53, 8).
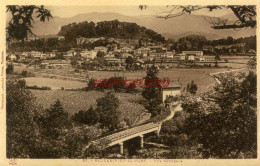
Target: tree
point(22, 132)
point(251, 64)
point(74, 62)
point(19, 27)
point(246, 15)
point(110, 117)
point(192, 88)
point(217, 58)
point(77, 138)
point(56, 120)
point(151, 91)
point(10, 69)
point(89, 117)
point(227, 127)
point(129, 60)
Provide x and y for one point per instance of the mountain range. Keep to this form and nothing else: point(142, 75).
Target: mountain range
point(173, 28)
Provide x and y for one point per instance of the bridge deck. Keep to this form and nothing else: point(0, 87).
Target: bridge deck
point(130, 132)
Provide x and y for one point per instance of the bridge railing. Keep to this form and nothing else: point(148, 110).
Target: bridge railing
point(129, 132)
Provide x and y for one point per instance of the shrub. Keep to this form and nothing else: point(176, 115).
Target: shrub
point(90, 117)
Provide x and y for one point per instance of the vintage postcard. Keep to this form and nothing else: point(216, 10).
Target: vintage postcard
point(120, 82)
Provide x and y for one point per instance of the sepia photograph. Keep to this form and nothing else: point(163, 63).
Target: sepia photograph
point(131, 82)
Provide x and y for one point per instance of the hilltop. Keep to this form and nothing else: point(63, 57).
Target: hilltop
point(112, 29)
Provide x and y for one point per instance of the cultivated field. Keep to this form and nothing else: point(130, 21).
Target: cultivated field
point(73, 101)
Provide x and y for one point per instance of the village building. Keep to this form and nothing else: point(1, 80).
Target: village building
point(142, 51)
point(209, 58)
point(191, 57)
point(84, 40)
point(172, 90)
point(194, 53)
point(88, 54)
point(69, 54)
point(101, 48)
point(126, 55)
point(126, 50)
point(181, 57)
point(52, 64)
point(12, 57)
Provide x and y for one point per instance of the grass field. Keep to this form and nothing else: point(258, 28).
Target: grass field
point(73, 101)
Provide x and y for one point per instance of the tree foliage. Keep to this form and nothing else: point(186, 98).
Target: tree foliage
point(251, 64)
point(227, 128)
point(89, 117)
point(110, 116)
point(112, 28)
point(151, 91)
point(192, 88)
point(245, 14)
point(19, 27)
point(22, 132)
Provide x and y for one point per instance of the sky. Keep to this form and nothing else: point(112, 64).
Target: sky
point(70, 11)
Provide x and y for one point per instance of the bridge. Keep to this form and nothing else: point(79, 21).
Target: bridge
point(119, 137)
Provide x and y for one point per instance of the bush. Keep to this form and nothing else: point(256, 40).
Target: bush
point(90, 117)
point(27, 74)
point(38, 88)
point(9, 69)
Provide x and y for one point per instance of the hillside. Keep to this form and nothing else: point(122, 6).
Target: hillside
point(175, 27)
point(113, 29)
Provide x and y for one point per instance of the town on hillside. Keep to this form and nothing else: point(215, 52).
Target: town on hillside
point(100, 88)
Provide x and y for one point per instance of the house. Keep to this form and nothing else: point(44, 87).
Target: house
point(142, 51)
point(126, 50)
point(51, 64)
point(52, 55)
point(209, 58)
point(169, 54)
point(195, 53)
point(158, 49)
point(12, 57)
point(88, 54)
point(69, 54)
point(109, 56)
point(182, 57)
point(84, 40)
point(191, 58)
point(125, 55)
point(200, 58)
point(173, 89)
point(37, 55)
point(61, 38)
point(101, 48)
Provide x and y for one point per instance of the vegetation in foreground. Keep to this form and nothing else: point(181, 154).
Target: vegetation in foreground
point(221, 126)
